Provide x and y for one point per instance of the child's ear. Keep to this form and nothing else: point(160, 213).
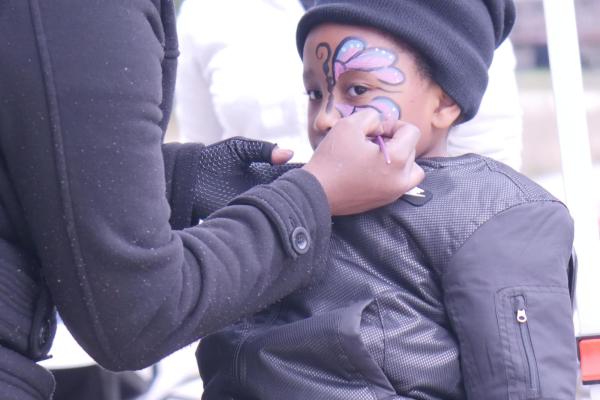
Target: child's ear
point(446, 113)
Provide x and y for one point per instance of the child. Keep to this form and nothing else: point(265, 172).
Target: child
point(457, 290)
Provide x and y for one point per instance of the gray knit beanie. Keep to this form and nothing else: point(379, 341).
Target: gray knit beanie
point(456, 38)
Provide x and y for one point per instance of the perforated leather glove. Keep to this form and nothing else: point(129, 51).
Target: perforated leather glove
point(229, 168)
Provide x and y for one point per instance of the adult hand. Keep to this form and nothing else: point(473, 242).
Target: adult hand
point(232, 166)
point(352, 169)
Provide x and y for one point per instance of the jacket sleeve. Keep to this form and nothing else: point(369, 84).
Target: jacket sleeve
point(181, 162)
point(507, 295)
point(22, 379)
point(82, 97)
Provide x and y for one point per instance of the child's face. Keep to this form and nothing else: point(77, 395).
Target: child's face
point(348, 68)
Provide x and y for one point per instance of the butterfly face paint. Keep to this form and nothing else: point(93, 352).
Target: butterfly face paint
point(348, 68)
point(389, 110)
point(352, 54)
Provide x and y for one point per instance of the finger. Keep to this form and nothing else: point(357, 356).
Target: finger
point(416, 175)
point(249, 150)
point(281, 156)
point(368, 121)
point(389, 127)
point(404, 140)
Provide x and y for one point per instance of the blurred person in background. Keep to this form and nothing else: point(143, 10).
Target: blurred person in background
point(230, 51)
point(224, 84)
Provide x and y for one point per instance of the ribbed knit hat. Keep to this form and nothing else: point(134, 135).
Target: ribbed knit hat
point(456, 38)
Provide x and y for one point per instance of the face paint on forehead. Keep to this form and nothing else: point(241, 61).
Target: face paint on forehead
point(352, 54)
point(323, 51)
point(386, 107)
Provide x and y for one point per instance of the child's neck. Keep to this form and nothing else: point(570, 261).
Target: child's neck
point(439, 149)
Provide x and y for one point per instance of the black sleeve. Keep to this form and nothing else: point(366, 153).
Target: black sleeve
point(181, 174)
point(82, 96)
point(507, 294)
point(22, 379)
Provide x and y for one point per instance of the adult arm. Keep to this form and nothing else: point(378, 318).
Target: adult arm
point(507, 294)
point(84, 104)
point(26, 317)
point(202, 179)
point(89, 174)
point(21, 379)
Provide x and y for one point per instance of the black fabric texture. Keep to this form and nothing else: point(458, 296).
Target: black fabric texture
point(456, 38)
point(270, 199)
point(416, 302)
point(21, 379)
point(96, 383)
point(182, 181)
point(169, 62)
point(201, 180)
point(229, 168)
point(532, 264)
point(85, 93)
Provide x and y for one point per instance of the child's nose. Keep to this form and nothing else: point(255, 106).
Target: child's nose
point(326, 119)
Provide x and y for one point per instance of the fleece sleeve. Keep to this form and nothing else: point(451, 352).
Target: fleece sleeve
point(507, 295)
point(181, 162)
point(83, 98)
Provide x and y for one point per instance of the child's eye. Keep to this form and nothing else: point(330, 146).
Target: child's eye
point(314, 95)
point(357, 90)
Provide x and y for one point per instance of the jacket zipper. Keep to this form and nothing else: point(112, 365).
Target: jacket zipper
point(527, 345)
point(238, 350)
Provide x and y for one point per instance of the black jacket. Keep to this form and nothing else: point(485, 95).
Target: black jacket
point(85, 92)
point(459, 294)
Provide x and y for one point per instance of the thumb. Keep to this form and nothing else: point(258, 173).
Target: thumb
point(281, 156)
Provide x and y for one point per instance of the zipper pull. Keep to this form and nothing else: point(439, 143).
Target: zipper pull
point(521, 316)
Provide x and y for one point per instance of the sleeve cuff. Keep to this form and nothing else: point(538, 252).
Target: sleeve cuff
point(182, 162)
point(297, 206)
point(23, 379)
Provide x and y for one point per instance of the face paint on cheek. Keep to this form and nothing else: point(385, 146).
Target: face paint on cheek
point(386, 107)
point(345, 109)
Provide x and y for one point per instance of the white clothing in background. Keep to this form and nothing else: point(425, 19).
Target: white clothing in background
point(240, 74)
point(497, 129)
